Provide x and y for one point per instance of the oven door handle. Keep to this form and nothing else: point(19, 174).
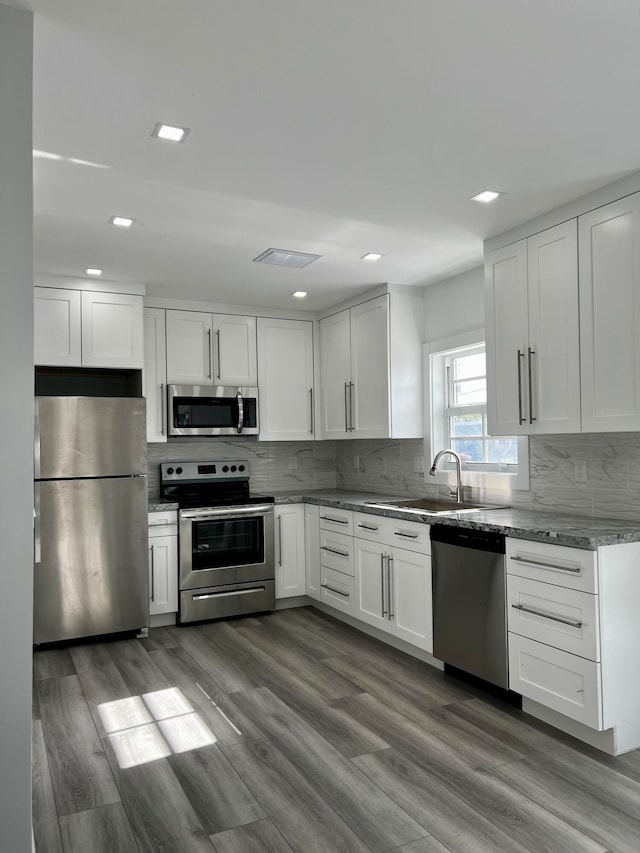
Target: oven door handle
point(240, 412)
point(225, 512)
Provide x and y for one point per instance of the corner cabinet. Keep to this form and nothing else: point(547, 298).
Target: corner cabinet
point(290, 566)
point(285, 370)
point(155, 374)
point(211, 349)
point(610, 316)
point(370, 358)
point(532, 334)
point(82, 328)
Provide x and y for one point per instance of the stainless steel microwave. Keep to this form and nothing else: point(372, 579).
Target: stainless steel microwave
point(212, 410)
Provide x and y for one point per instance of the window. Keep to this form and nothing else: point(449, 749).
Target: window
point(456, 386)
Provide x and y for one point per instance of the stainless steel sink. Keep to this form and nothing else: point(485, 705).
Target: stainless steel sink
point(429, 506)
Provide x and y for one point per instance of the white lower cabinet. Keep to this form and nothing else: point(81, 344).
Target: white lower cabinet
point(393, 584)
point(163, 562)
point(290, 550)
point(337, 590)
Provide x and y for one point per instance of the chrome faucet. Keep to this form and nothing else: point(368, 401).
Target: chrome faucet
point(457, 492)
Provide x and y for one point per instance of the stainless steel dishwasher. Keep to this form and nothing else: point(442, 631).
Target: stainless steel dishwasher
point(469, 601)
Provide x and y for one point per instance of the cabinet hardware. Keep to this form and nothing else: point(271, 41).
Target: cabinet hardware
point(279, 540)
point(575, 569)
point(390, 584)
point(521, 418)
point(531, 418)
point(351, 426)
point(163, 399)
point(405, 535)
point(337, 591)
point(218, 352)
point(311, 419)
point(346, 420)
point(382, 558)
point(206, 595)
point(153, 573)
point(573, 622)
point(367, 527)
point(334, 520)
point(209, 352)
point(333, 551)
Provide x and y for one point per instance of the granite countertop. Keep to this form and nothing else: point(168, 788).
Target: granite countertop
point(158, 505)
point(577, 531)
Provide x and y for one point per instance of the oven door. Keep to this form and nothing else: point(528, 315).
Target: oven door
point(226, 545)
point(212, 410)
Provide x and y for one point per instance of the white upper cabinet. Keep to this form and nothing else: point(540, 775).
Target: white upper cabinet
point(285, 359)
point(155, 373)
point(610, 316)
point(532, 334)
point(88, 328)
point(57, 320)
point(370, 358)
point(211, 349)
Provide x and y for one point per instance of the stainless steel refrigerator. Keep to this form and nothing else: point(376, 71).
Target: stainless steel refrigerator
point(91, 572)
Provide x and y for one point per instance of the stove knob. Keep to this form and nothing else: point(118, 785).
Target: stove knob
point(169, 470)
point(241, 468)
point(233, 467)
point(178, 470)
point(225, 468)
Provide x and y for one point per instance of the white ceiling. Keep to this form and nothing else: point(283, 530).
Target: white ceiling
point(336, 127)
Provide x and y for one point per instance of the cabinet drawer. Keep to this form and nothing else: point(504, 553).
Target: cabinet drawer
point(560, 617)
point(338, 520)
point(566, 683)
point(337, 590)
point(570, 567)
point(336, 552)
point(408, 534)
point(371, 527)
point(163, 523)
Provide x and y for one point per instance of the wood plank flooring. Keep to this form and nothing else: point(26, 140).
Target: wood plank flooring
point(294, 733)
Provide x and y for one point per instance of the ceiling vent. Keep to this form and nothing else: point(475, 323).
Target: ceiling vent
point(283, 258)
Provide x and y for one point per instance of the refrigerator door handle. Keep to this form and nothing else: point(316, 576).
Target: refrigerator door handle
point(36, 439)
point(37, 545)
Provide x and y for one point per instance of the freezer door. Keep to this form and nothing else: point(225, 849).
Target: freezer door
point(92, 577)
point(90, 437)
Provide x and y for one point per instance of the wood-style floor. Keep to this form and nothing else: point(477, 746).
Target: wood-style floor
point(293, 732)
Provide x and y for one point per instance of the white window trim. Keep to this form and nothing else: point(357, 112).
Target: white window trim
point(491, 479)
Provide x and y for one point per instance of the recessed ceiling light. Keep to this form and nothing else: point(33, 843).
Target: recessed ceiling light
point(121, 221)
point(299, 294)
point(285, 258)
point(170, 132)
point(486, 196)
point(93, 271)
point(371, 256)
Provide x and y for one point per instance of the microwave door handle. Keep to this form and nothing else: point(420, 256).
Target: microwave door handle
point(240, 412)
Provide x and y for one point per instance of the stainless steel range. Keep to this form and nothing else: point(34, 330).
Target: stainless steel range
point(227, 560)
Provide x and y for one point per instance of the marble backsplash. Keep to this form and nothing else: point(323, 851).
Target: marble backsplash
point(396, 467)
point(274, 466)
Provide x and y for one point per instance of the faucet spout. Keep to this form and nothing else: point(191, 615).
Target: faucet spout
point(434, 468)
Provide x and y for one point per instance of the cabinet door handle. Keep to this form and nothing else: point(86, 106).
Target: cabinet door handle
point(218, 352)
point(346, 405)
point(390, 584)
point(337, 591)
point(153, 572)
point(405, 535)
point(531, 352)
point(542, 563)
point(368, 527)
point(521, 418)
point(382, 558)
point(311, 419)
point(279, 540)
point(334, 520)
point(351, 426)
point(209, 352)
point(162, 409)
point(333, 551)
point(575, 623)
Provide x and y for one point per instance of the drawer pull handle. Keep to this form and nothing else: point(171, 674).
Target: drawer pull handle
point(334, 520)
point(575, 569)
point(337, 591)
point(405, 535)
point(206, 595)
point(368, 527)
point(573, 622)
point(333, 551)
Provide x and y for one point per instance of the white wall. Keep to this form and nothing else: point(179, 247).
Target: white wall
point(454, 305)
point(16, 434)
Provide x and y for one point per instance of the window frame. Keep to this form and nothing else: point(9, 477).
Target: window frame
point(499, 476)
